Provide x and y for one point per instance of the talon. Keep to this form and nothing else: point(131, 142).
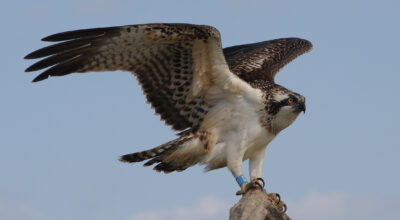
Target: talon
point(284, 207)
point(261, 181)
point(278, 196)
point(259, 184)
point(245, 186)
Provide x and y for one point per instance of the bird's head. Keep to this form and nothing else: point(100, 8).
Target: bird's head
point(282, 107)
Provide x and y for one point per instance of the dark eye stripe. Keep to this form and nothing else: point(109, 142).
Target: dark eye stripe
point(275, 106)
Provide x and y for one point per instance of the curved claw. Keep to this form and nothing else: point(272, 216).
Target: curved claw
point(262, 182)
point(258, 184)
point(284, 207)
point(278, 196)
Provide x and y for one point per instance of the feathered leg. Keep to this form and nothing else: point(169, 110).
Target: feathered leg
point(255, 168)
point(234, 161)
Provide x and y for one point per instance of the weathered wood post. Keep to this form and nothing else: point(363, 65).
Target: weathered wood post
point(256, 205)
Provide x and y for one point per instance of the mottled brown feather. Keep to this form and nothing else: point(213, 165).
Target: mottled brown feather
point(160, 56)
point(160, 156)
point(262, 61)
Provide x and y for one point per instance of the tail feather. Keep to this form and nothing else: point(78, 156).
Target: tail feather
point(152, 153)
point(175, 155)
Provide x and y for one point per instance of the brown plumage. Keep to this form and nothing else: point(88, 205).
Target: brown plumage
point(158, 156)
point(160, 55)
point(262, 61)
point(175, 65)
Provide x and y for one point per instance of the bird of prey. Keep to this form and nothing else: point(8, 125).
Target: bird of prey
point(224, 102)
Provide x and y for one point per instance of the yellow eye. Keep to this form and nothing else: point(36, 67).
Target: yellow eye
point(290, 101)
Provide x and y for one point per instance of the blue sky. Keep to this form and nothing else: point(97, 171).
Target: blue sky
point(60, 139)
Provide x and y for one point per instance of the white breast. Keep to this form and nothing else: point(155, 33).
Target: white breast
point(235, 121)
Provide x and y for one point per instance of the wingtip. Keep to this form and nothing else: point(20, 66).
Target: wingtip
point(35, 54)
point(30, 69)
point(50, 38)
point(302, 41)
point(123, 159)
point(58, 37)
point(29, 56)
point(40, 78)
point(54, 37)
point(83, 33)
point(307, 43)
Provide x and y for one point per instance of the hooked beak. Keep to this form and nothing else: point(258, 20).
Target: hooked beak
point(301, 107)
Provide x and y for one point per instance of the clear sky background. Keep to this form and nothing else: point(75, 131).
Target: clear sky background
point(60, 139)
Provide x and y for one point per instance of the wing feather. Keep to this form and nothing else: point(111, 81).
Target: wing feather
point(175, 63)
point(263, 60)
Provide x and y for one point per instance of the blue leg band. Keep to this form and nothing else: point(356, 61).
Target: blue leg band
point(241, 180)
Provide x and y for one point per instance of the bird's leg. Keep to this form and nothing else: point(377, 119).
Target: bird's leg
point(256, 164)
point(243, 183)
point(236, 168)
point(234, 163)
point(255, 168)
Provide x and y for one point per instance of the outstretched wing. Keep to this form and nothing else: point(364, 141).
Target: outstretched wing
point(175, 63)
point(263, 60)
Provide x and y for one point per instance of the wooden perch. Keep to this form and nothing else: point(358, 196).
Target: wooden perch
point(257, 205)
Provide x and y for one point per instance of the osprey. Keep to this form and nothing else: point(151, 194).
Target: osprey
point(224, 101)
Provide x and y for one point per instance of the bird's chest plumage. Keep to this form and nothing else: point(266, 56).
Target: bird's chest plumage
point(237, 128)
point(258, 137)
